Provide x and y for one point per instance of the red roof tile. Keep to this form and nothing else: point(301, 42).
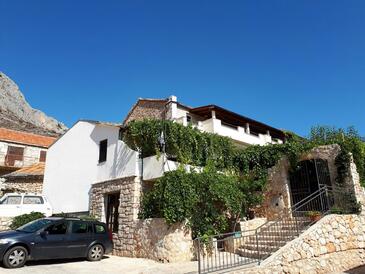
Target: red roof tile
point(34, 170)
point(25, 138)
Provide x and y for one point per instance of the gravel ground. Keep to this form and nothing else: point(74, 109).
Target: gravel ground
point(109, 265)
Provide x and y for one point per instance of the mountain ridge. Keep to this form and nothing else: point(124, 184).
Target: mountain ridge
point(17, 114)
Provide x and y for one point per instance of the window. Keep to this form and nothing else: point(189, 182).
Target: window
point(112, 214)
point(33, 200)
point(79, 227)
point(103, 149)
point(35, 225)
point(57, 229)
point(12, 200)
point(99, 229)
point(14, 154)
point(42, 156)
point(188, 119)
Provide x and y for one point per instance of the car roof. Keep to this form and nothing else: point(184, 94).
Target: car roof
point(23, 194)
point(72, 219)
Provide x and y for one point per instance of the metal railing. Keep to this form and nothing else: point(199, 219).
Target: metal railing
point(236, 249)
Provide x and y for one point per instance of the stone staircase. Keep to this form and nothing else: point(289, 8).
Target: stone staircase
point(272, 236)
point(247, 247)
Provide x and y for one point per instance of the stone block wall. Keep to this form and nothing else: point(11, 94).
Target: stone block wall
point(334, 244)
point(147, 109)
point(5, 223)
point(23, 185)
point(151, 238)
point(277, 195)
point(31, 154)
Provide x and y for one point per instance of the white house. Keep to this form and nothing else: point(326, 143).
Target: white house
point(87, 153)
point(91, 152)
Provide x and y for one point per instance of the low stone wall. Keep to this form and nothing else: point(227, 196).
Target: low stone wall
point(5, 223)
point(336, 243)
point(151, 238)
point(156, 240)
point(23, 185)
point(252, 224)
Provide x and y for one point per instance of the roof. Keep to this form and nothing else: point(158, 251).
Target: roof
point(95, 122)
point(24, 138)
point(237, 120)
point(101, 123)
point(34, 170)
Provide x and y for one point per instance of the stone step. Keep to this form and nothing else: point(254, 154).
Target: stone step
point(279, 233)
point(268, 244)
point(265, 248)
point(252, 254)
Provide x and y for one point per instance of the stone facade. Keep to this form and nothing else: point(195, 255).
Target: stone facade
point(151, 238)
point(5, 223)
point(147, 108)
point(31, 154)
point(336, 243)
point(23, 185)
point(277, 195)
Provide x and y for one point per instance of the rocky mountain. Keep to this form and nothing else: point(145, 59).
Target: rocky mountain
point(17, 114)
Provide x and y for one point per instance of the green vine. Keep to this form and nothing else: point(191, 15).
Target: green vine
point(233, 179)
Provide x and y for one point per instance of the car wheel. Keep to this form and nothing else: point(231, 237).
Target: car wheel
point(15, 257)
point(96, 253)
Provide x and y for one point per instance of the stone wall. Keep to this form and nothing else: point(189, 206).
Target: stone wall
point(151, 238)
point(147, 109)
point(23, 185)
point(31, 154)
point(5, 223)
point(336, 243)
point(277, 195)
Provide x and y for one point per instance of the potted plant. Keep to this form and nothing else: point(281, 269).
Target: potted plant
point(314, 216)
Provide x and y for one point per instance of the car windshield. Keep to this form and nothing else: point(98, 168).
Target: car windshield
point(35, 225)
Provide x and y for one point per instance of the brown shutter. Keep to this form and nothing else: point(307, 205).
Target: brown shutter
point(42, 156)
point(14, 154)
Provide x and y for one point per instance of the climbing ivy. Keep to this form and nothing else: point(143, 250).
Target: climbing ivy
point(351, 146)
point(233, 178)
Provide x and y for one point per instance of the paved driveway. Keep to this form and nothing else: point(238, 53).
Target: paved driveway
point(109, 265)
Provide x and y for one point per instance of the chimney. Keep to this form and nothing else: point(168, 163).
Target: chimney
point(173, 98)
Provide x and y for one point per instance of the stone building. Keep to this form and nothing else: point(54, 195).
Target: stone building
point(27, 179)
point(21, 150)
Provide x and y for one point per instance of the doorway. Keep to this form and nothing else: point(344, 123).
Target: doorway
point(112, 211)
point(307, 179)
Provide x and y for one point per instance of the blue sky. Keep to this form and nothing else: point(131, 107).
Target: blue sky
point(291, 64)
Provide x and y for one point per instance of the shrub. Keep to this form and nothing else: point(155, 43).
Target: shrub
point(25, 218)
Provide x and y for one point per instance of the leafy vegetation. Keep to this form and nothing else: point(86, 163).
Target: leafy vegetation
point(351, 146)
point(21, 220)
point(233, 179)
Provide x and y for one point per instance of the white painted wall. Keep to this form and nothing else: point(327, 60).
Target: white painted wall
point(72, 165)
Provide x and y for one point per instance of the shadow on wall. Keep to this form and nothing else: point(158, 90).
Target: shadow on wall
point(117, 163)
point(357, 270)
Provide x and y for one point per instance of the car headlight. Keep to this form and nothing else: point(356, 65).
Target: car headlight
point(3, 241)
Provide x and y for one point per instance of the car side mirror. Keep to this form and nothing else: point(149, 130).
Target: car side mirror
point(44, 234)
